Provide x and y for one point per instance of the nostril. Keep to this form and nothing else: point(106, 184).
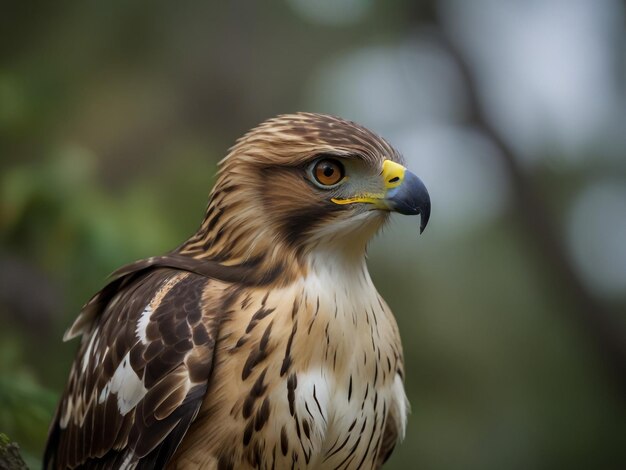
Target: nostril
point(394, 179)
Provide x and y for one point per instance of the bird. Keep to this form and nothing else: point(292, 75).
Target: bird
point(261, 341)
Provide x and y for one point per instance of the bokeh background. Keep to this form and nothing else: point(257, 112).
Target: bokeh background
point(512, 305)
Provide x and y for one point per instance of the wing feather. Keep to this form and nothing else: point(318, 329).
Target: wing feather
point(141, 373)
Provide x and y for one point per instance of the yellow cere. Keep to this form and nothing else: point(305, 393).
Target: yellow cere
point(393, 174)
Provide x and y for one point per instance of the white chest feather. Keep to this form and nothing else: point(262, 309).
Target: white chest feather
point(344, 397)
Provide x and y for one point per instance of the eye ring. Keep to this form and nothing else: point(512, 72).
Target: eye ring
point(328, 172)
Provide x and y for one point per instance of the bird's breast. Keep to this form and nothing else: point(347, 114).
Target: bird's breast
point(350, 380)
point(305, 376)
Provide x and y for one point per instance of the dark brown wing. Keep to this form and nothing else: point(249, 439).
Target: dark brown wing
point(142, 369)
point(390, 439)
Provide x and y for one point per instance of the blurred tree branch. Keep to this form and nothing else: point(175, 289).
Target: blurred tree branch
point(10, 457)
point(595, 317)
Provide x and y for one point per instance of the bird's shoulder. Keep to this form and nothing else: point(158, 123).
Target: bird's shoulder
point(142, 368)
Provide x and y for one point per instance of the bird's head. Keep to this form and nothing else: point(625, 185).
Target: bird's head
point(304, 182)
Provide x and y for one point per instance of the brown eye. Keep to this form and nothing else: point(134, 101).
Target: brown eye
point(328, 172)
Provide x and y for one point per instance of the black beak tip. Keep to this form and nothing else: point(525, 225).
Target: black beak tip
point(424, 216)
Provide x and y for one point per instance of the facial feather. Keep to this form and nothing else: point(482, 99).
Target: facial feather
point(264, 206)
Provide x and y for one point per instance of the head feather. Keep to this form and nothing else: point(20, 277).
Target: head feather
point(262, 206)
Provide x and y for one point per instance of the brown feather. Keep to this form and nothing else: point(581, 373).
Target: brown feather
point(96, 428)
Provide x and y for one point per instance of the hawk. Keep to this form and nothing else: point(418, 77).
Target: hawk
point(261, 341)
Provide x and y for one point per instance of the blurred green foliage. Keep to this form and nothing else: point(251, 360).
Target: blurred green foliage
point(59, 228)
point(113, 116)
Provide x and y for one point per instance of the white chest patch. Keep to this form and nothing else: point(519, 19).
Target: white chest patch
point(351, 387)
point(344, 428)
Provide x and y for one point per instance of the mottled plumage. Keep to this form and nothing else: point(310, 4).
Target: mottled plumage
point(261, 341)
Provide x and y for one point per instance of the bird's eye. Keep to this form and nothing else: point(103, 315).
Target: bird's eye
point(328, 172)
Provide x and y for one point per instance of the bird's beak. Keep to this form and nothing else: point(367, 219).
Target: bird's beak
point(403, 193)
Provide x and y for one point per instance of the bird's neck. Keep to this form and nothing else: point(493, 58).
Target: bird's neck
point(239, 237)
point(235, 236)
point(267, 263)
point(337, 266)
